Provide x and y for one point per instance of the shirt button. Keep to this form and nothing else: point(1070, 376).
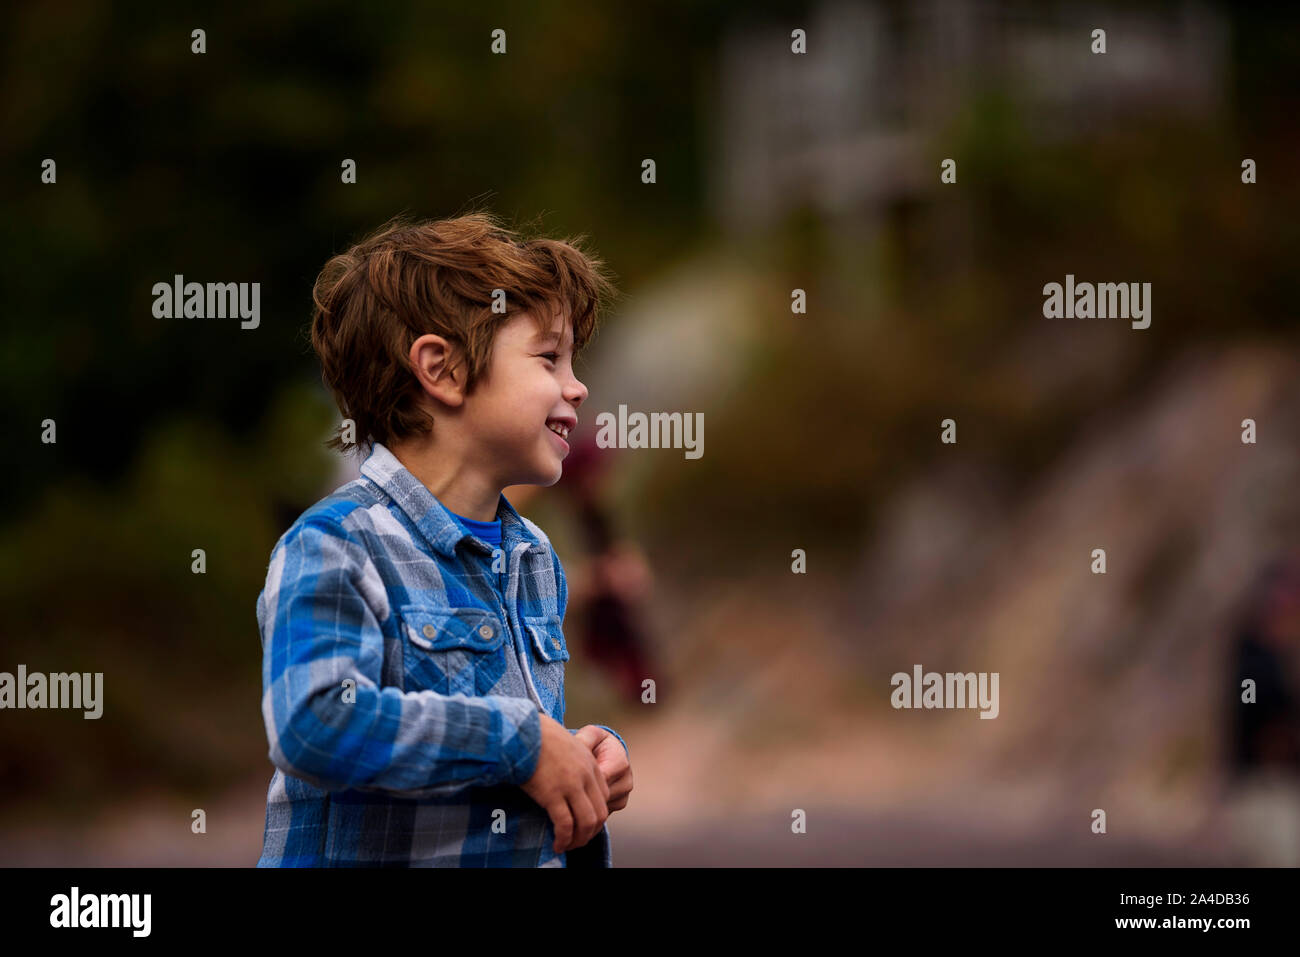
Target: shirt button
point(555, 642)
point(485, 631)
point(430, 631)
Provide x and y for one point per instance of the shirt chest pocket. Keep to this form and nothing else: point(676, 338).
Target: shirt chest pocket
point(549, 653)
point(452, 650)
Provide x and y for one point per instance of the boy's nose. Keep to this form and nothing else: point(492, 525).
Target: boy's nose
point(577, 392)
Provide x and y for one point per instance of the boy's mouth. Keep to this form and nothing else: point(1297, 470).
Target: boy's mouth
point(561, 427)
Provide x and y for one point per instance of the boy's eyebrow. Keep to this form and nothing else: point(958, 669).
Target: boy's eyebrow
point(547, 337)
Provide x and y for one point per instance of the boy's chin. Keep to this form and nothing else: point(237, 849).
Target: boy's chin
point(542, 479)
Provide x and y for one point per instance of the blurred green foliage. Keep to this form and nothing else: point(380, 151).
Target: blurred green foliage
point(844, 404)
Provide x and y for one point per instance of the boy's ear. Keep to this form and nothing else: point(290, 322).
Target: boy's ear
point(439, 368)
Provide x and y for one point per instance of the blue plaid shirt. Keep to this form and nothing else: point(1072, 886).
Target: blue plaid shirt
point(401, 688)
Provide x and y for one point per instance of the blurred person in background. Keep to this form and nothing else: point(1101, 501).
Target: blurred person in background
point(607, 592)
point(1264, 758)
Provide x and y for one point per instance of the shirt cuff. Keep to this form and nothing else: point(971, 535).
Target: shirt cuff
point(521, 745)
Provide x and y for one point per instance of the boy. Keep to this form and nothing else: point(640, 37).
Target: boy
point(413, 650)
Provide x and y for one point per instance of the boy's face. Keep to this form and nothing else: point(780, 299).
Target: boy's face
point(529, 387)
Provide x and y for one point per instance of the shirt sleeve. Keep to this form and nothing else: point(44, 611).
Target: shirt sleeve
point(328, 719)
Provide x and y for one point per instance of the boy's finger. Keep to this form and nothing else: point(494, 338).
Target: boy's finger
point(590, 735)
point(613, 765)
point(598, 789)
point(584, 819)
point(598, 792)
point(563, 821)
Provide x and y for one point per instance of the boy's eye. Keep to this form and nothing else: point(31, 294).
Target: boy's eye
point(552, 356)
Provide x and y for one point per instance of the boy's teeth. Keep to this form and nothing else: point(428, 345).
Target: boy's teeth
point(560, 430)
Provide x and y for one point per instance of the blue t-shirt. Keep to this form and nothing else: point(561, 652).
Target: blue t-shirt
point(490, 532)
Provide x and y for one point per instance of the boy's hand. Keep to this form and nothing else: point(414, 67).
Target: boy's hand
point(611, 758)
point(569, 784)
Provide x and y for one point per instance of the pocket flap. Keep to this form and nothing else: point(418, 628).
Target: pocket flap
point(443, 629)
point(547, 632)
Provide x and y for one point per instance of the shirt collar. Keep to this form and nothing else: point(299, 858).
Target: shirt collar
point(430, 516)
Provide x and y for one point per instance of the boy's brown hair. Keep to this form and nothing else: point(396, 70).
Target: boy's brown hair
point(407, 279)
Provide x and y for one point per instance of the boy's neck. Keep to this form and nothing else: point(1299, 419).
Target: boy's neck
point(463, 491)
